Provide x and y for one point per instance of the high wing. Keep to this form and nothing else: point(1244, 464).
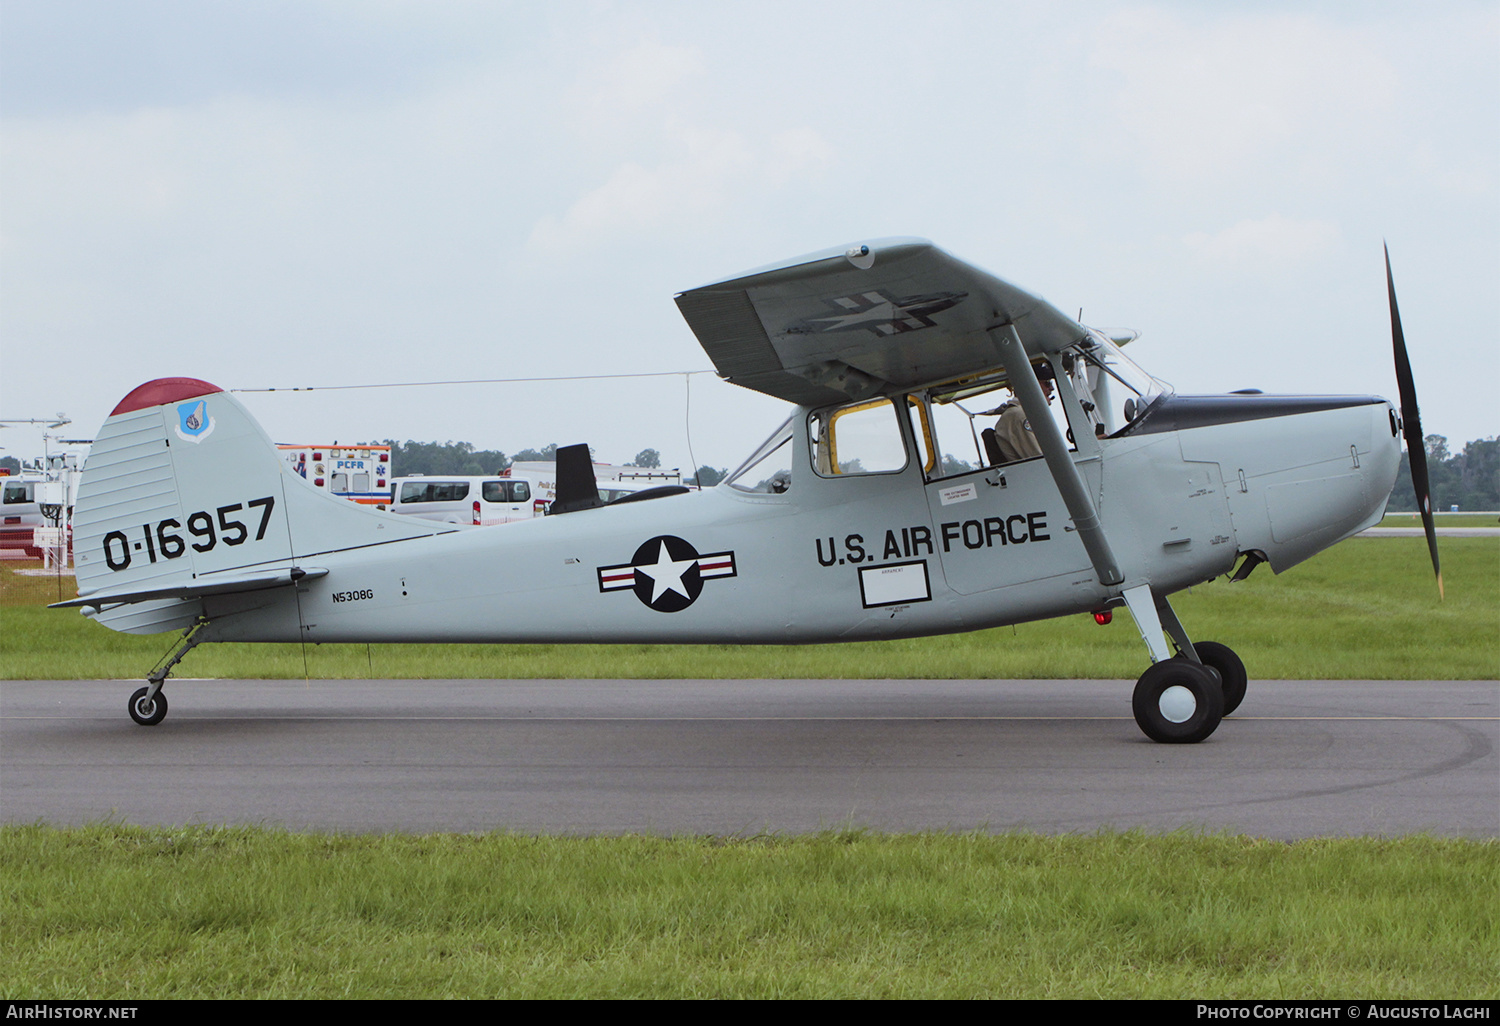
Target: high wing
point(880, 317)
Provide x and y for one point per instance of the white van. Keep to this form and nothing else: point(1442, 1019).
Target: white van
point(18, 501)
point(480, 501)
point(21, 500)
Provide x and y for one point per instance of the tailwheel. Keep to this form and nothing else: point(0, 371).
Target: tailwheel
point(146, 709)
point(148, 706)
point(1178, 702)
point(1230, 668)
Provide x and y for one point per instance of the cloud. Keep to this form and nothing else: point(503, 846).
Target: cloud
point(716, 173)
point(638, 79)
point(1241, 95)
point(1274, 240)
point(669, 163)
point(638, 199)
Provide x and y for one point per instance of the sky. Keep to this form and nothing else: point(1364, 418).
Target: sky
point(327, 193)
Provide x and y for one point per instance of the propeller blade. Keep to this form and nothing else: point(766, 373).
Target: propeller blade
point(1411, 425)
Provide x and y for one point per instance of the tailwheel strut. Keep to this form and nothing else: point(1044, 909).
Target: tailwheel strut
point(148, 705)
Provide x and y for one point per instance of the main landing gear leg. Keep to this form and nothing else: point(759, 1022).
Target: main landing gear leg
point(1181, 700)
point(1219, 658)
point(148, 706)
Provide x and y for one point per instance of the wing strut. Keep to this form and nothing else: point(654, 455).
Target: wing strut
point(1055, 450)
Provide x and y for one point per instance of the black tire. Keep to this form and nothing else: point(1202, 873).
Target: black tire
point(148, 714)
point(1178, 702)
point(1231, 671)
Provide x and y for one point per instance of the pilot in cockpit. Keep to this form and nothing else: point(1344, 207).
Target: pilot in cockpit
point(1012, 432)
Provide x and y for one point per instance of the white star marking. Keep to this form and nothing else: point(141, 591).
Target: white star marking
point(666, 574)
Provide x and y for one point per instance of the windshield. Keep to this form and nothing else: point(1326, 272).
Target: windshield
point(1114, 390)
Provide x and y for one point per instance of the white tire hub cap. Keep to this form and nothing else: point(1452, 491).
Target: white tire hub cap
point(1177, 704)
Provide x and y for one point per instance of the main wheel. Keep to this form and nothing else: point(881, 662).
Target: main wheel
point(1178, 702)
point(1231, 671)
point(148, 712)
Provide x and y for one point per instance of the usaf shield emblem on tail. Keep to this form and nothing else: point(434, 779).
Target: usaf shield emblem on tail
point(193, 421)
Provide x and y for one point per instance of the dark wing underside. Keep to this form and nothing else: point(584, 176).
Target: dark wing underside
point(887, 316)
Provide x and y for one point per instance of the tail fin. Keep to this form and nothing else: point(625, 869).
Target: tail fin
point(576, 486)
point(184, 495)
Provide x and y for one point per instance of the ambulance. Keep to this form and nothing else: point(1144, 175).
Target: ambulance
point(360, 473)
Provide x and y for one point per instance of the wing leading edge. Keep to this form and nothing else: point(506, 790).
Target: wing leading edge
point(878, 317)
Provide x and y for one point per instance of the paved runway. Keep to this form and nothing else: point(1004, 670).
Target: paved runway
point(1441, 532)
point(1303, 758)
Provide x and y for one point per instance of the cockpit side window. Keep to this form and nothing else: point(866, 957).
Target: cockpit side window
point(1091, 387)
point(861, 438)
point(768, 471)
point(946, 436)
point(983, 425)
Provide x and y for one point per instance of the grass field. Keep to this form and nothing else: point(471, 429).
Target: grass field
point(1365, 609)
point(119, 912)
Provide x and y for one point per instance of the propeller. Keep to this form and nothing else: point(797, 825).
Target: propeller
point(1411, 425)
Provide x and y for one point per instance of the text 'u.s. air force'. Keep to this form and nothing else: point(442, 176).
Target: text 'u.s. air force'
point(953, 536)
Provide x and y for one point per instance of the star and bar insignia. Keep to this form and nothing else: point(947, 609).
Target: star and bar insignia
point(667, 573)
point(881, 313)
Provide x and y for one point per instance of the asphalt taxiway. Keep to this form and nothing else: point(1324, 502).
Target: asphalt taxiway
point(1301, 758)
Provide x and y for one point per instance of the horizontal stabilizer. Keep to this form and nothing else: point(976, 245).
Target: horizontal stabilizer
point(216, 584)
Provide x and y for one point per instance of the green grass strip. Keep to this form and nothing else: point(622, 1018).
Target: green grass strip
point(116, 912)
point(1365, 609)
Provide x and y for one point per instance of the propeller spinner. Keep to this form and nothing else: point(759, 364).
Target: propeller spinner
point(1411, 425)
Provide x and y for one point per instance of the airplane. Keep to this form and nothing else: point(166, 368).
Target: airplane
point(846, 524)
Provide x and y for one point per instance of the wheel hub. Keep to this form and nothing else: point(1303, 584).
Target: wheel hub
point(1177, 704)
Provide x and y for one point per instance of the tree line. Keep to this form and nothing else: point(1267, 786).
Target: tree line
point(1469, 480)
point(434, 459)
